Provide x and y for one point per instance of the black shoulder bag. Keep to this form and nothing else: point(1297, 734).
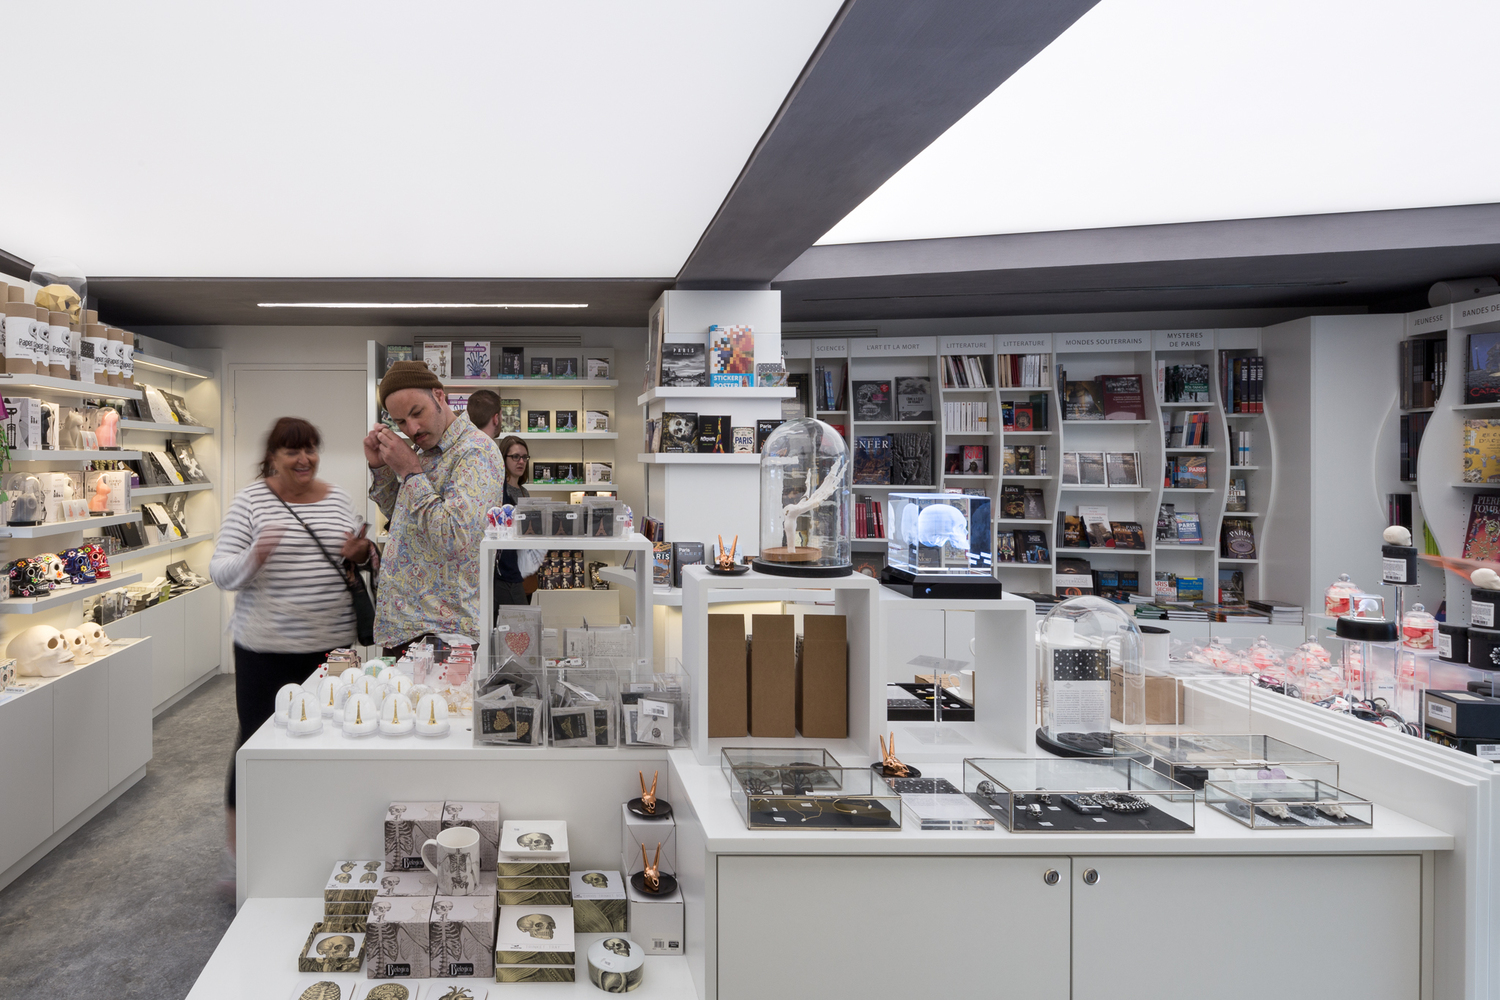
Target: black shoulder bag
point(362, 597)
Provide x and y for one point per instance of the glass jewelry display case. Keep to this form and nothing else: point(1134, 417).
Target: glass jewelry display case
point(1288, 804)
point(1079, 795)
point(1193, 760)
point(813, 798)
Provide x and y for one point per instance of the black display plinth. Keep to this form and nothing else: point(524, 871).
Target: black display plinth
point(950, 588)
point(801, 569)
point(1077, 744)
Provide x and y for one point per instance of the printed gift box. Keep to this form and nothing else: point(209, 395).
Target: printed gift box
point(396, 938)
point(408, 825)
point(483, 817)
point(331, 951)
point(461, 936)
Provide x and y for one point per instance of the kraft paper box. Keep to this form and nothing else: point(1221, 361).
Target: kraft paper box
point(461, 936)
point(353, 882)
point(728, 677)
point(599, 902)
point(823, 678)
point(636, 833)
point(422, 883)
point(331, 951)
point(1162, 709)
point(408, 825)
point(656, 921)
point(483, 817)
point(773, 676)
point(396, 938)
point(534, 935)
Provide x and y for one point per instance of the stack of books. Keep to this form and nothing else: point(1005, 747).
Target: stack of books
point(1281, 613)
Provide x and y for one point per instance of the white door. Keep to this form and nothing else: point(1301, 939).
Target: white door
point(333, 401)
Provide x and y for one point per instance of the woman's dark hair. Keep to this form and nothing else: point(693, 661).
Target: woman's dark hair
point(505, 446)
point(289, 432)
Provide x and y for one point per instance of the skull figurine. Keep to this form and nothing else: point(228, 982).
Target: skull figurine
point(78, 566)
point(40, 651)
point(53, 570)
point(78, 646)
point(93, 634)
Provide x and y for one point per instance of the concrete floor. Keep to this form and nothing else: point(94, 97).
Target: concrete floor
point(131, 905)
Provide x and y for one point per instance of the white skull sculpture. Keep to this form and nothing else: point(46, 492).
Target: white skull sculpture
point(40, 651)
point(93, 634)
point(78, 645)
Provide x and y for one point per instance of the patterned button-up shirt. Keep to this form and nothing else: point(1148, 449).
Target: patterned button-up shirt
point(429, 572)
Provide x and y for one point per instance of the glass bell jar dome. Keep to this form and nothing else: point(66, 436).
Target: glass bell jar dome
point(1080, 643)
point(806, 507)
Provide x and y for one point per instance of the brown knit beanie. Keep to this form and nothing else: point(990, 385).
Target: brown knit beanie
point(406, 375)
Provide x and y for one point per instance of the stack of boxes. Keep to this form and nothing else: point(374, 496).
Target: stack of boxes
point(414, 933)
point(655, 920)
point(534, 937)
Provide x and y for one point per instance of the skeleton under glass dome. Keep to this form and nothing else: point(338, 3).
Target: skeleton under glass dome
point(805, 504)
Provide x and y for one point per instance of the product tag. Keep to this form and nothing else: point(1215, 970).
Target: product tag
point(1393, 571)
point(1482, 613)
point(655, 709)
point(1488, 751)
point(1437, 710)
point(1445, 645)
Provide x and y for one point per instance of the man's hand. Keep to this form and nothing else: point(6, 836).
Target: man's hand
point(372, 448)
point(396, 455)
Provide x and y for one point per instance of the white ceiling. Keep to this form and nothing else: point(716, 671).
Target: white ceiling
point(463, 139)
point(1161, 111)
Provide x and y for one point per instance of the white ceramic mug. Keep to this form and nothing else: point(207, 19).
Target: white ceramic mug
point(454, 858)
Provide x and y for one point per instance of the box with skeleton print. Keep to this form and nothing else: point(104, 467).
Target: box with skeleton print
point(461, 936)
point(396, 938)
point(409, 825)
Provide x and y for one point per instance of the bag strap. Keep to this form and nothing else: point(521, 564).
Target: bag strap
point(342, 575)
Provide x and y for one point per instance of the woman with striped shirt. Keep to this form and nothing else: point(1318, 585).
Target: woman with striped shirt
point(277, 548)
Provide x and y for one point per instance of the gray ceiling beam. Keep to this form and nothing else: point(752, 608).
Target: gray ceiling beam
point(888, 78)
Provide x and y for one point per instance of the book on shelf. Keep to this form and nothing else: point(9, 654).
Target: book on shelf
point(964, 371)
point(1242, 383)
point(1237, 500)
point(1482, 537)
point(1189, 527)
point(1096, 526)
point(873, 400)
point(1074, 577)
point(1241, 445)
point(1116, 584)
point(1031, 546)
point(1424, 363)
point(1164, 586)
point(974, 460)
point(732, 351)
point(763, 429)
point(872, 460)
point(1190, 588)
point(1190, 472)
point(594, 421)
point(1398, 509)
point(596, 368)
point(1413, 427)
point(1166, 525)
point(869, 563)
point(828, 382)
point(1481, 451)
point(1012, 502)
point(1122, 468)
point(1072, 535)
point(538, 421)
point(1036, 506)
point(395, 353)
point(1091, 468)
point(1181, 383)
point(541, 367)
point(1070, 468)
point(714, 435)
point(1005, 546)
point(684, 365)
point(799, 405)
point(1189, 429)
point(911, 460)
point(953, 459)
point(913, 397)
point(438, 354)
point(1124, 398)
point(772, 375)
point(1025, 460)
point(512, 362)
point(744, 440)
point(1084, 400)
point(1041, 467)
point(1237, 538)
point(679, 433)
point(966, 417)
point(1128, 535)
point(869, 519)
point(1024, 371)
point(1482, 376)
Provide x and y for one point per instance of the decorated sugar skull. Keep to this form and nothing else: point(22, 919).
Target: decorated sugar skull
point(78, 566)
point(26, 578)
point(40, 651)
point(77, 645)
point(98, 559)
point(53, 569)
point(93, 634)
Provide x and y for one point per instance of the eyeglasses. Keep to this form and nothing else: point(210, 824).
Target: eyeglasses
point(518, 458)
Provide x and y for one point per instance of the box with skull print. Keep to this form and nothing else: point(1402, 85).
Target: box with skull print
point(534, 935)
point(483, 817)
point(329, 950)
point(396, 938)
point(353, 882)
point(461, 936)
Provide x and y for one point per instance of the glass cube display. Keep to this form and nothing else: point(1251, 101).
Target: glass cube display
point(940, 534)
point(1194, 760)
point(1288, 804)
point(773, 760)
point(800, 797)
point(1079, 795)
point(1085, 647)
point(806, 507)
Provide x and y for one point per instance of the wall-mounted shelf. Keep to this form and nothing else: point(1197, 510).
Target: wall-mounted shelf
point(187, 430)
point(46, 385)
point(532, 383)
point(161, 491)
point(125, 555)
point(716, 392)
point(66, 527)
point(171, 367)
point(33, 605)
point(1103, 550)
point(693, 458)
point(1108, 423)
point(571, 435)
point(570, 487)
point(1067, 488)
point(55, 455)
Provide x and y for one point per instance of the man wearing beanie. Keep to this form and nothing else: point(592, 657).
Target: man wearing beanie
point(437, 499)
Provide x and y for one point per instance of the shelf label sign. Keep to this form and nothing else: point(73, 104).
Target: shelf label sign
point(1184, 340)
point(966, 345)
point(1478, 311)
point(1024, 343)
point(1427, 320)
point(894, 347)
point(1080, 342)
point(830, 348)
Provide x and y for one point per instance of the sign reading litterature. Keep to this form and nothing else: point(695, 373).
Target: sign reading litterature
point(893, 347)
point(1103, 342)
point(1184, 340)
point(1024, 343)
point(966, 345)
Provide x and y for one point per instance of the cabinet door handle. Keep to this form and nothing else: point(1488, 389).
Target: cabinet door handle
point(1090, 876)
point(1051, 877)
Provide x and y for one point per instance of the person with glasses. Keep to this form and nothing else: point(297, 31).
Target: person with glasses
point(514, 565)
